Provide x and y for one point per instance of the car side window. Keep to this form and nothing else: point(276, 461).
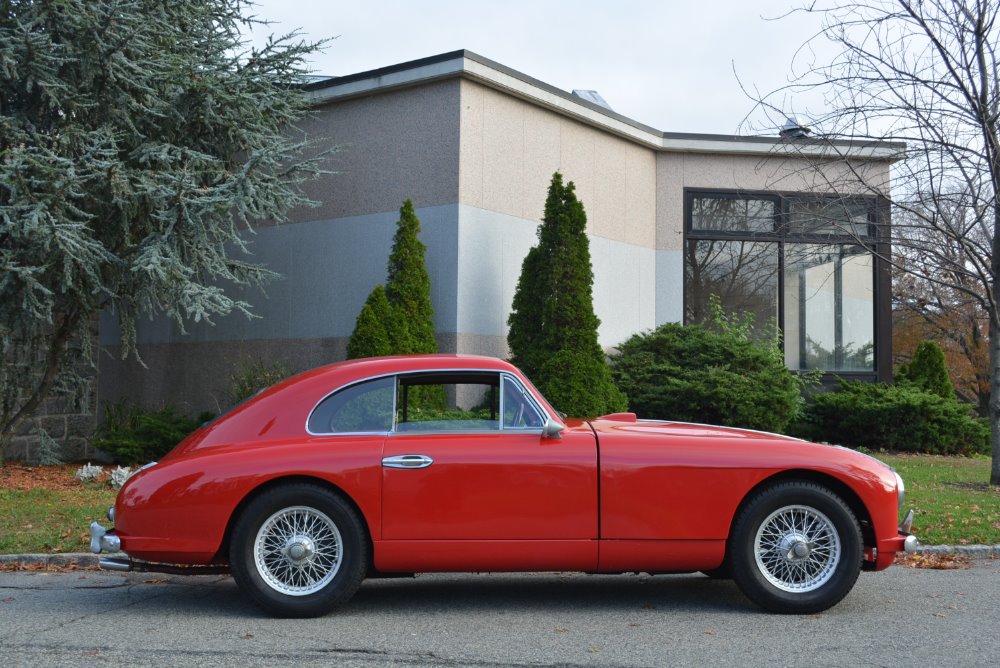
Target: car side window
point(362, 408)
point(452, 401)
point(519, 411)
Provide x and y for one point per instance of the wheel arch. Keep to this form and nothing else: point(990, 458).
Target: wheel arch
point(835, 485)
point(222, 555)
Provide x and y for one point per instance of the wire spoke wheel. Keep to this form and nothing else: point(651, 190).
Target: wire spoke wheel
point(797, 548)
point(298, 550)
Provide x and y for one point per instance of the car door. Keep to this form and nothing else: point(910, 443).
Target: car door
point(480, 469)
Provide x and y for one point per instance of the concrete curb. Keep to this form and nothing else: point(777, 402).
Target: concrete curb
point(88, 560)
point(78, 559)
point(975, 551)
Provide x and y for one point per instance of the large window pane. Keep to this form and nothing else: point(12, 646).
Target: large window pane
point(828, 217)
point(829, 307)
point(448, 402)
point(744, 275)
point(729, 214)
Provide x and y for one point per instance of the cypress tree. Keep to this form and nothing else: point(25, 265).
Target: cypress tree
point(553, 327)
point(409, 285)
point(927, 370)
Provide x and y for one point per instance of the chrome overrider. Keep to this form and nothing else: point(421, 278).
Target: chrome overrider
point(910, 544)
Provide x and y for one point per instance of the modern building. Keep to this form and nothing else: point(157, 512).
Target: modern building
point(773, 225)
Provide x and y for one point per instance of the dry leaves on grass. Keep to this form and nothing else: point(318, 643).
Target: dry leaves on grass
point(936, 561)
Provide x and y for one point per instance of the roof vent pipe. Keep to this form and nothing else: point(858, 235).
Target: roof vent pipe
point(794, 129)
point(592, 96)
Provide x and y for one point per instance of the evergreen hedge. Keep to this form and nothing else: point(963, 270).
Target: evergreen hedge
point(902, 418)
point(692, 374)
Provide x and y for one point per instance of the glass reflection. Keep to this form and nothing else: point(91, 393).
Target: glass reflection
point(744, 274)
point(829, 310)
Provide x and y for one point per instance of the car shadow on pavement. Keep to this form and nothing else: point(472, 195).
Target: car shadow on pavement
point(553, 592)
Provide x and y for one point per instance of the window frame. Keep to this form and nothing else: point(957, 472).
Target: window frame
point(504, 376)
point(875, 243)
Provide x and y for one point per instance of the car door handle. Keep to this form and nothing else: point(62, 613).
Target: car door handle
point(407, 462)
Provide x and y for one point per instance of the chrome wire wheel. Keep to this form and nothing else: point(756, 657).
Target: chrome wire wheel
point(298, 551)
point(797, 548)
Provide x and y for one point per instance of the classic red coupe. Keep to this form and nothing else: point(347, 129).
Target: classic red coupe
point(445, 463)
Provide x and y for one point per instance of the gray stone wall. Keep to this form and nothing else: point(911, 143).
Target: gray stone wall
point(68, 421)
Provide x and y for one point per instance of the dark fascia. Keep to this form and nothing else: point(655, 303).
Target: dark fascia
point(465, 53)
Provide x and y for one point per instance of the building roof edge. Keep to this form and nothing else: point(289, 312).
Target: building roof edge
point(467, 64)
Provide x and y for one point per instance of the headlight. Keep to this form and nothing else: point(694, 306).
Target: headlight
point(900, 489)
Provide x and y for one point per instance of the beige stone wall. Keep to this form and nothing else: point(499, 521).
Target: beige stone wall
point(393, 146)
point(677, 171)
point(510, 149)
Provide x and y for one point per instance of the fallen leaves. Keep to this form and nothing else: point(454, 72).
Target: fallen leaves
point(62, 567)
point(935, 561)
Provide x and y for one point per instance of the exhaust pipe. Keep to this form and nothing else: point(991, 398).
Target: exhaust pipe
point(131, 565)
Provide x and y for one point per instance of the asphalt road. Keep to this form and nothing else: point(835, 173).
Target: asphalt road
point(901, 617)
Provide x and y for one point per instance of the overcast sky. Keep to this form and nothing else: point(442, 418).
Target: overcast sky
point(670, 65)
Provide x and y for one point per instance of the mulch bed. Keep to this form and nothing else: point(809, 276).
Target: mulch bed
point(20, 477)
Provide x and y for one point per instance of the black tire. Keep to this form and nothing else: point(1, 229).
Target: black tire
point(313, 570)
point(803, 567)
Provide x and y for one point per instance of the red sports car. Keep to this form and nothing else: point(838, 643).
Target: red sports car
point(445, 463)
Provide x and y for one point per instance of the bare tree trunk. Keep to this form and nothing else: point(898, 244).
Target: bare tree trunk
point(995, 399)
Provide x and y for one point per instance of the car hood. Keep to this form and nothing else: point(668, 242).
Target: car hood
point(627, 422)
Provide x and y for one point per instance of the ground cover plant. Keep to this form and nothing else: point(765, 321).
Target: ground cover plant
point(44, 509)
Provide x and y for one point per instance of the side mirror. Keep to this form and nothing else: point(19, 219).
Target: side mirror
point(552, 429)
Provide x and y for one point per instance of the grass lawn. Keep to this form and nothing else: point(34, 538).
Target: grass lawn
point(45, 510)
point(953, 501)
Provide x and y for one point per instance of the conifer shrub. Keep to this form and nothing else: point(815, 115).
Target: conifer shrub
point(928, 371)
point(250, 376)
point(903, 418)
point(133, 435)
point(693, 374)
